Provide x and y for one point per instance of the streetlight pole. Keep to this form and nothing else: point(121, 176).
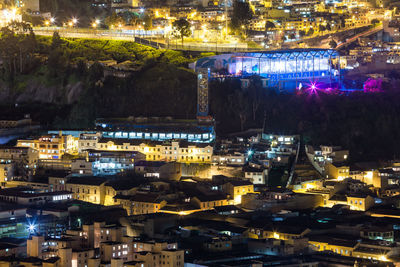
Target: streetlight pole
point(226, 17)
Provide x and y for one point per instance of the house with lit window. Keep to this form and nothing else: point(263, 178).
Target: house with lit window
point(28, 196)
point(154, 252)
point(87, 141)
point(282, 232)
point(159, 169)
point(61, 251)
point(25, 155)
point(207, 202)
point(109, 162)
point(114, 250)
point(256, 175)
point(338, 245)
point(141, 203)
point(237, 188)
point(337, 171)
point(179, 151)
point(157, 129)
point(51, 146)
point(121, 187)
point(229, 159)
point(89, 189)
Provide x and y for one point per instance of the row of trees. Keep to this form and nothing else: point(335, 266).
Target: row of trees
point(17, 45)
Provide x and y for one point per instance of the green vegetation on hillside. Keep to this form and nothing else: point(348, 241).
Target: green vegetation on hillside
point(159, 82)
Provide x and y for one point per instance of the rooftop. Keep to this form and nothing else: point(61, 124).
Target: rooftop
point(87, 180)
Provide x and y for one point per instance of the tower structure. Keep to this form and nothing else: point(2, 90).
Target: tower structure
point(202, 91)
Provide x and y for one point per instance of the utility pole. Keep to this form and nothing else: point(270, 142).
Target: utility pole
point(226, 18)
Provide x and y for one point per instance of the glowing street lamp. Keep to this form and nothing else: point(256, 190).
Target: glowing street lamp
point(52, 20)
point(31, 227)
point(74, 21)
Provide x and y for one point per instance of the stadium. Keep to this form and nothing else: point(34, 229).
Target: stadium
point(285, 70)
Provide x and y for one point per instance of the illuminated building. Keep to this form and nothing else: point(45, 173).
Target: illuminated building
point(338, 171)
point(62, 251)
point(51, 146)
point(236, 189)
point(256, 175)
point(87, 141)
point(340, 246)
point(159, 169)
point(27, 196)
point(284, 69)
point(153, 252)
point(113, 189)
point(113, 250)
point(24, 155)
point(108, 162)
point(350, 247)
point(281, 232)
point(6, 171)
point(207, 202)
point(157, 129)
point(140, 203)
point(89, 189)
point(378, 233)
point(235, 159)
point(179, 151)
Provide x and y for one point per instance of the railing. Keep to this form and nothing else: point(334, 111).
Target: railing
point(142, 37)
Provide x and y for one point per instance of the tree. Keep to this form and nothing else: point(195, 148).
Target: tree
point(302, 33)
point(96, 72)
point(129, 17)
point(332, 44)
point(181, 29)
point(239, 105)
point(114, 20)
point(269, 25)
point(256, 94)
point(310, 32)
point(17, 45)
point(321, 28)
point(242, 13)
point(56, 60)
point(56, 41)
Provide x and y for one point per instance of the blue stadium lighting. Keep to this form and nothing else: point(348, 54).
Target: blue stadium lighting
point(31, 228)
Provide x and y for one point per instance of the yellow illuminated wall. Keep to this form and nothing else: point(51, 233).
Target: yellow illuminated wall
point(167, 152)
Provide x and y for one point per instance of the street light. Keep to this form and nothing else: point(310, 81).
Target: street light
point(52, 20)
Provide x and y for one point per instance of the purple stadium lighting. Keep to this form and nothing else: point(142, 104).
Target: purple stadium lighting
point(373, 86)
point(313, 88)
